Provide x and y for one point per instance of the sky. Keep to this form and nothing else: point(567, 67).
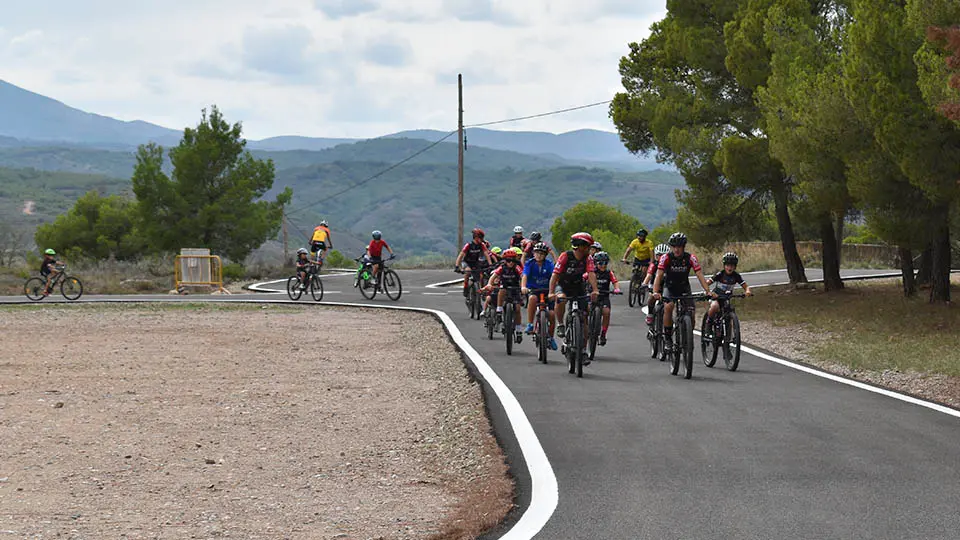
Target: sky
point(327, 68)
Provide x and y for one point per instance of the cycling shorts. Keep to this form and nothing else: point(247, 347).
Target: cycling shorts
point(641, 263)
point(317, 246)
point(678, 290)
point(604, 300)
point(535, 299)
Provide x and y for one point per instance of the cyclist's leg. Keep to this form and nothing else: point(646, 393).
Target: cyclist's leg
point(606, 319)
point(714, 308)
point(532, 301)
point(560, 310)
point(501, 296)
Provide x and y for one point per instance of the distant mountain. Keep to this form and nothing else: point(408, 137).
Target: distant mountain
point(293, 142)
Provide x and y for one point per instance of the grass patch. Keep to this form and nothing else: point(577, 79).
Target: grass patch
point(870, 324)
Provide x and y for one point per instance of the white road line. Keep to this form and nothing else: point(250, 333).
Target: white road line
point(444, 283)
point(434, 293)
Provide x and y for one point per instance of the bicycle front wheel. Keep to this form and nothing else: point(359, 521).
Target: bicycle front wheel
point(33, 288)
point(293, 288)
point(316, 288)
point(707, 342)
point(731, 354)
point(508, 326)
point(543, 335)
point(632, 297)
point(71, 288)
point(391, 285)
point(594, 326)
point(686, 328)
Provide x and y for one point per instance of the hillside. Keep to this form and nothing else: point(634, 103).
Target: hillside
point(30, 197)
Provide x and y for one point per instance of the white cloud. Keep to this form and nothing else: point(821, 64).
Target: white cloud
point(326, 67)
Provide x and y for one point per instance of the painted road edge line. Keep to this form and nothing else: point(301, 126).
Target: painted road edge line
point(258, 287)
point(444, 283)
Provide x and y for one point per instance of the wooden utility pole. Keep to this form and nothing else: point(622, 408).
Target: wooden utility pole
point(283, 219)
point(460, 161)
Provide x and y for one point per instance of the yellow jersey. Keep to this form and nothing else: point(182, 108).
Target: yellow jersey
point(642, 251)
point(321, 234)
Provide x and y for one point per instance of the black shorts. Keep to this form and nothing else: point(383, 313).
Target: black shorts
point(643, 264)
point(317, 246)
point(673, 290)
point(513, 295)
point(604, 300)
point(374, 260)
point(573, 291)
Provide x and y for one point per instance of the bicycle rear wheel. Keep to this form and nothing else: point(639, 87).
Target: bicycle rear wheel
point(474, 302)
point(316, 288)
point(633, 296)
point(731, 343)
point(391, 285)
point(71, 288)
point(707, 342)
point(508, 326)
point(686, 327)
point(489, 320)
point(33, 288)
point(543, 335)
point(293, 288)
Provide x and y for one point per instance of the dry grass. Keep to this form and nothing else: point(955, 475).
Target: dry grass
point(871, 325)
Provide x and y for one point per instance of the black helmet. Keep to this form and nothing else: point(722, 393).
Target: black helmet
point(540, 246)
point(536, 236)
point(376, 235)
point(601, 258)
point(677, 239)
point(730, 258)
point(642, 232)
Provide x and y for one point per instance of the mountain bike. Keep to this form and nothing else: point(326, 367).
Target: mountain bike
point(723, 333)
point(386, 280)
point(474, 300)
point(574, 341)
point(70, 287)
point(595, 324)
point(295, 286)
point(682, 352)
point(541, 324)
point(637, 295)
point(512, 303)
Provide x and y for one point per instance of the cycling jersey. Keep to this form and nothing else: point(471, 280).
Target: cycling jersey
point(473, 253)
point(376, 248)
point(642, 251)
point(46, 266)
point(509, 277)
point(605, 278)
point(725, 282)
point(676, 270)
point(571, 271)
point(322, 234)
point(528, 251)
point(517, 241)
point(538, 275)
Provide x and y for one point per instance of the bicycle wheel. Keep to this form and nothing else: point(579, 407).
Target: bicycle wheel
point(473, 302)
point(293, 288)
point(366, 286)
point(676, 351)
point(71, 288)
point(489, 320)
point(578, 345)
point(642, 300)
point(632, 297)
point(594, 326)
point(316, 288)
point(686, 327)
point(543, 335)
point(33, 288)
point(655, 332)
point(707, 344)
point(391, 285)
point(508, 326)
point(731, 343)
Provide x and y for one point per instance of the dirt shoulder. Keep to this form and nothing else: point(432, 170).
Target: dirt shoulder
point(867, 332)
point(175, 421)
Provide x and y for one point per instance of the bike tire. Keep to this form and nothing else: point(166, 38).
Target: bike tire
point(488, 317)
point(73, 285)
point(642, 297)
point(707, 342)
point(578, 346)
point(316, 288)
point(733, 333)
point(594, 325)
point(508, 328)
point(543, 335)
point(676, 351)
point(473, 304)
point(33, 288)
point(654, 339)
point(632, 297)
point(293, 288)
point(391, 285)
point(687, 338)
point(367, 290)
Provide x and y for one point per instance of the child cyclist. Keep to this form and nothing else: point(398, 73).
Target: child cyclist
point(672, 281)
point(536, 275)
point(304, 267)
point(605, 279)
point(726, 280)
point(508, 276)
point(658, 252)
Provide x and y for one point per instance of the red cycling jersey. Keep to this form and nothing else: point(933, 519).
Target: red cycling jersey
point(376, 247)
point(563, 261)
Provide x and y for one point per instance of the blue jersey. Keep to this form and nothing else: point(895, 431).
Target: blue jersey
point(538, 276)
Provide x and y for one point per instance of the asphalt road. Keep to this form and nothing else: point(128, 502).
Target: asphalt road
point(765, 452)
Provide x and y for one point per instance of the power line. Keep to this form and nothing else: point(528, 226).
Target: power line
point(541, 115)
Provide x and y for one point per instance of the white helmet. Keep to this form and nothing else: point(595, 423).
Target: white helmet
point(323, 223)
point(518, 230)
point(301, 250)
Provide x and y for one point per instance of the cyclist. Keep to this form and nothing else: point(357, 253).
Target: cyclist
point(535, 238)
point(508, 277)
point(605, 279)
point(517, 240)
point(642, 250)
point(658, 252)
point(472, 254)
point(321, 241)
point(672, 280)
point(726, 280)
point(48, 268)
point(568, 272)
point(375, 252)
point(496, 257)
point(536, 275)
point(304, 265)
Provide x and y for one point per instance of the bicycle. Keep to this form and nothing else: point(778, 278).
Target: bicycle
point(637, 295)
point(725, 332)
point(541, 324)
point(512, 302)
point(683, 333)
point(574, 342)
point(490, 318)
point(70, 287)
point(387, 280)
point(474, 300)
point(595, 324)
point(295, 286)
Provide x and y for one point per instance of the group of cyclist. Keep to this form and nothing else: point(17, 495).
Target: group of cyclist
point(322, 241)
point(522, 270)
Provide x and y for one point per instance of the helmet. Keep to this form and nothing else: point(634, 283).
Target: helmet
point(597, 245)
point(323, 223)
point(730, 258)
point(50, 252)
point(376, 235)
point(535, 236)
point(541, 247)
point(642, 232)
point(601, 258)
point(496, 250)
point(518, 230)
point(302, 251)
point(478, 232)
point(581, 239)
point(510, 255)
point(677, 239)
point(661, 250)
point(516, 250)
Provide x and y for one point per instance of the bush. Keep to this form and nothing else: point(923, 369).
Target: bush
point(593, 216)
point(335, 259)
point(233, 272)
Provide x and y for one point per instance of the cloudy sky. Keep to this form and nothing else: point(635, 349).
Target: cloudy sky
point(334, 68)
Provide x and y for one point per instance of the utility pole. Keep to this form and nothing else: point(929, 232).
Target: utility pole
point(283, 219)
point(460, 160)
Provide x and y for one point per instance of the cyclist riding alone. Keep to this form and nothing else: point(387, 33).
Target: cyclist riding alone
point(304, 267)
point(471, 255)
point(375, 252)
point(605, 279)
point(659, 251)
point(517, 240)
point(568, 273)
point(642, 250)
point(726, 280)
point(508, 277)
point(321, 241)
point(536, 275)
point(48, 268)
point(535, 238)
point(673, 272)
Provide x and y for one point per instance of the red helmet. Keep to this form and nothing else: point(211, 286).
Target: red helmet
point(478, 232)
point(581, 239)
point(509, 254)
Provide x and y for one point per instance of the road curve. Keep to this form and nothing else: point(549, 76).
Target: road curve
point(765, 452)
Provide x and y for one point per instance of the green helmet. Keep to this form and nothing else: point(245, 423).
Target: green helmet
point(496, 250)
point(50, 252)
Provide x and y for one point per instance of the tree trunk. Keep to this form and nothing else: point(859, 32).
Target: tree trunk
point(925, 266)
point(787, 238)
point(831, 255)
point(940, 267)
point(906, 270)
point(841, 216)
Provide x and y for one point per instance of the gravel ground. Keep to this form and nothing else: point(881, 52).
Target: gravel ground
point(254, 422)
point(795, 342)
